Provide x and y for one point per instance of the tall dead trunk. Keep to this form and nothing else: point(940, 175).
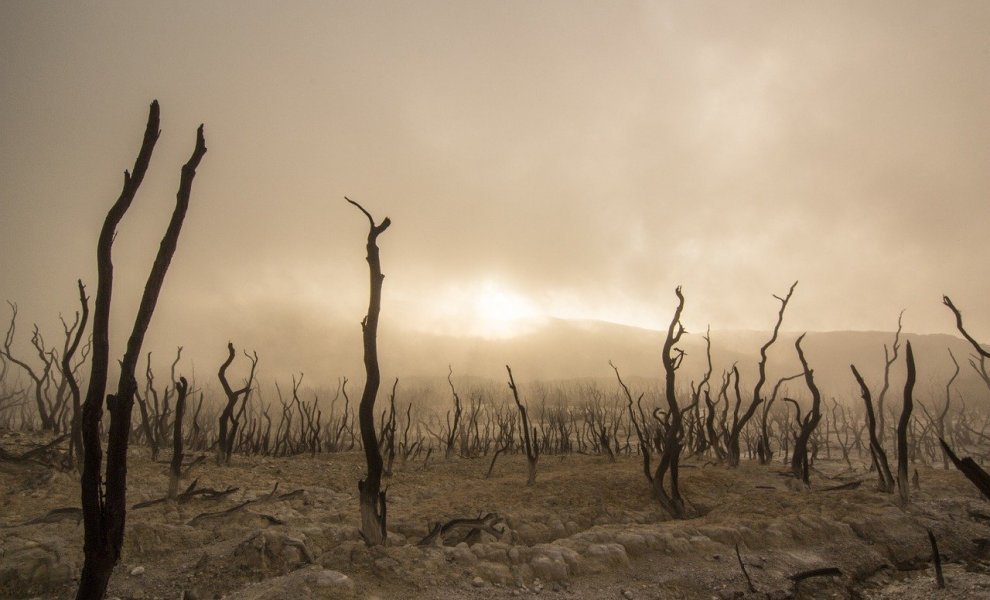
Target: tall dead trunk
point(532, 450)
point(104, 513)
point(70, 378)
point(175, 466)
point(372, 497)
point(886, 480)
point(903, 485)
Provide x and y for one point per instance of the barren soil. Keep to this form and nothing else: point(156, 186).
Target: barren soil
point(586, 529)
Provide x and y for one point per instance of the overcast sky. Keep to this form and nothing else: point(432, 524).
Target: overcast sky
point(568, 159)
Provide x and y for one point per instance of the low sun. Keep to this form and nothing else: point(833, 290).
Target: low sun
point(485, 308)
point(501, 312)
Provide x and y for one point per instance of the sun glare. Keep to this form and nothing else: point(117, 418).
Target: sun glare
point(501, 312)
point(484, 308)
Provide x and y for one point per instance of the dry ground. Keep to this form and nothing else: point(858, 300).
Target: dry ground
point(586, 529)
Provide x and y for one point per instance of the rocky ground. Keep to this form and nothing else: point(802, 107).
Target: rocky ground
point(586, 529)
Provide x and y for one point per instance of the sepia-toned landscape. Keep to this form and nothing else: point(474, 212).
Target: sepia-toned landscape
point(494, 299)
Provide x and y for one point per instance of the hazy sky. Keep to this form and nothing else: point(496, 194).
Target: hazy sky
point(570, 159)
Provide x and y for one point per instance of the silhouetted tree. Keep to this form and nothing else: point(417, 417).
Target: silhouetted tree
point(40, 378)
point(981, 353)
point(67, 372)
point(886, 479)
point(372, 497)
point(738, 423)
point(799, 459)
point(529, 444)
point(903, 485)
point(229, 422)
point(104, 509)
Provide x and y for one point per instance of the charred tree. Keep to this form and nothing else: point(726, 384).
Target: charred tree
point(799, 459)
point(903, 484)
point(75, 427)
point(175, 466)
point(229, 422)
point(529, 445)
point(452, 425)
point(372, 497)
point(889, 358)
point(738, 423)
point(886, 479)
point(670, 455)
point(40, 379)
point(104, 507)
point(981, 353)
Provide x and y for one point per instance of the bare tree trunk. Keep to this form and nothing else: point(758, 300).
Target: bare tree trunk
point(889, 358)
point(104, 516)
point(903, 485)
point(886, 480)
point(372, 497)
point(799, 459)
point(532, 451)
point(670, 455)
point(76, 431)
point(228, 421)
point(175, 467)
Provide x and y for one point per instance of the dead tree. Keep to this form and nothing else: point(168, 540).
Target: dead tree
point(39, 378)
point(67, 372)
point(738, 423)
point(799, 459)
point(886, 479)
point(670, 455)
point(889, 358)
point(981, 353)
point(175, 466)
point(104, 509)
point(372, 496)
point(228, 420)
point(763, 451)
point(452, 425)
point(903, 485)
point(532, 449)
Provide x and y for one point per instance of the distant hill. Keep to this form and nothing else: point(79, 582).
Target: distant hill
point(561, 350)
point(557, 350)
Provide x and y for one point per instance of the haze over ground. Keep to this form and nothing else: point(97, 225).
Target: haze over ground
point(572, 160)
